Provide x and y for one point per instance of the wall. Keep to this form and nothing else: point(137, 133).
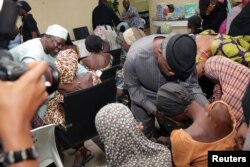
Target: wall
point(68, 13)
point(152, 8)
point(141, 5)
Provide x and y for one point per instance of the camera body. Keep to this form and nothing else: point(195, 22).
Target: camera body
point(9, 69)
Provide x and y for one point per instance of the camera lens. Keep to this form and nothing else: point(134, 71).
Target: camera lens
point(52, 76)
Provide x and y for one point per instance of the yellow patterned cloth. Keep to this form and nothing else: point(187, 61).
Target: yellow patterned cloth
point(210, 43)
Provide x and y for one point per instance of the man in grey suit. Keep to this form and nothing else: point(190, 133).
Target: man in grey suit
point(153, 61)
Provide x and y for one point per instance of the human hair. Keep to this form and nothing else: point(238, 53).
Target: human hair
point(94, 43)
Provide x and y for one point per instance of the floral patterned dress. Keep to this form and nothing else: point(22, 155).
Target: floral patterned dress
point(66, 63)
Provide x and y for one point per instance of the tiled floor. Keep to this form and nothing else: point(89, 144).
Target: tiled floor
point(98, 160)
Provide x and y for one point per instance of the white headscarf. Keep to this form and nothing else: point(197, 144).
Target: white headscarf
point(125, 145)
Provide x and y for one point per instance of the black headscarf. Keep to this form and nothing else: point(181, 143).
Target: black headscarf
point(195, 21)
point(172, 99)
point(241, 23)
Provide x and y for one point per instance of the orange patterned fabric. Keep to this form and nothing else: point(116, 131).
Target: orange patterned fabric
point(66, 63)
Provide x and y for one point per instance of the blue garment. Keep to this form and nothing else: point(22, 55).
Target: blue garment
point(134, 21)
point(15, 42)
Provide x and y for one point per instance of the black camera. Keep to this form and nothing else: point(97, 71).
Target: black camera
point(9, 69)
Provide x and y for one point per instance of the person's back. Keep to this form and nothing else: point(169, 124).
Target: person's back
point(140, 58)
point(211, 132)
point(218, 117)
point(212, 128)
point(98, 61)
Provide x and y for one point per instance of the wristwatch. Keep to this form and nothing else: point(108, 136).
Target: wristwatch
point(7, 158)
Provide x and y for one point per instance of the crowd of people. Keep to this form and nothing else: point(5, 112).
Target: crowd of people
point(161, 76)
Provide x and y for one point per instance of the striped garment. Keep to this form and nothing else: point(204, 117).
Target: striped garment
point(232, 78)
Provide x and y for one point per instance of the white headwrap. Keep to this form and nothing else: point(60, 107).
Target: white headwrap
point(57, 31)
point(132, 34)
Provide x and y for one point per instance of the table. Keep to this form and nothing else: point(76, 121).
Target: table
point(177, 25)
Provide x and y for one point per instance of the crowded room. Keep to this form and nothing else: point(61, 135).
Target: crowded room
point(124, 83)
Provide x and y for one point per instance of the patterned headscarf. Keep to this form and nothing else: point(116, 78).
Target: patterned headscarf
point(125, 145)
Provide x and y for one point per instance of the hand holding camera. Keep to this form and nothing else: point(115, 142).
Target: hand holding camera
point(29, 86)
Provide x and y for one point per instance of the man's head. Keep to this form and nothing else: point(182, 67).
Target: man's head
point(175, 54)
point(126, 4)
point(130, 36)
point(24, 8)
point(54, 39)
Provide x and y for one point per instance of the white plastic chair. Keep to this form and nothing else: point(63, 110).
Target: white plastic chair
point(44, 140)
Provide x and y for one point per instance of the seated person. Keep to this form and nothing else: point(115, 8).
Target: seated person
point(98, 59)
point(232, 79)
point(124, 143)
point(131, 15)
point(210, 43)
point(211, 129)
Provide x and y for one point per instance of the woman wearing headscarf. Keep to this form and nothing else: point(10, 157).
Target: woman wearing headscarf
point(125, 145)
point(211, 129)
point(232, 79)
point(29, 29)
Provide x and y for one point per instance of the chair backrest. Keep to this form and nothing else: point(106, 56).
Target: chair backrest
point(116, 55)
point(44, 140)
point(110, 72)
point(80, 109)
point(81, 32)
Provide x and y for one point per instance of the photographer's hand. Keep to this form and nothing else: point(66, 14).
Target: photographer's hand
point(19, 101)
